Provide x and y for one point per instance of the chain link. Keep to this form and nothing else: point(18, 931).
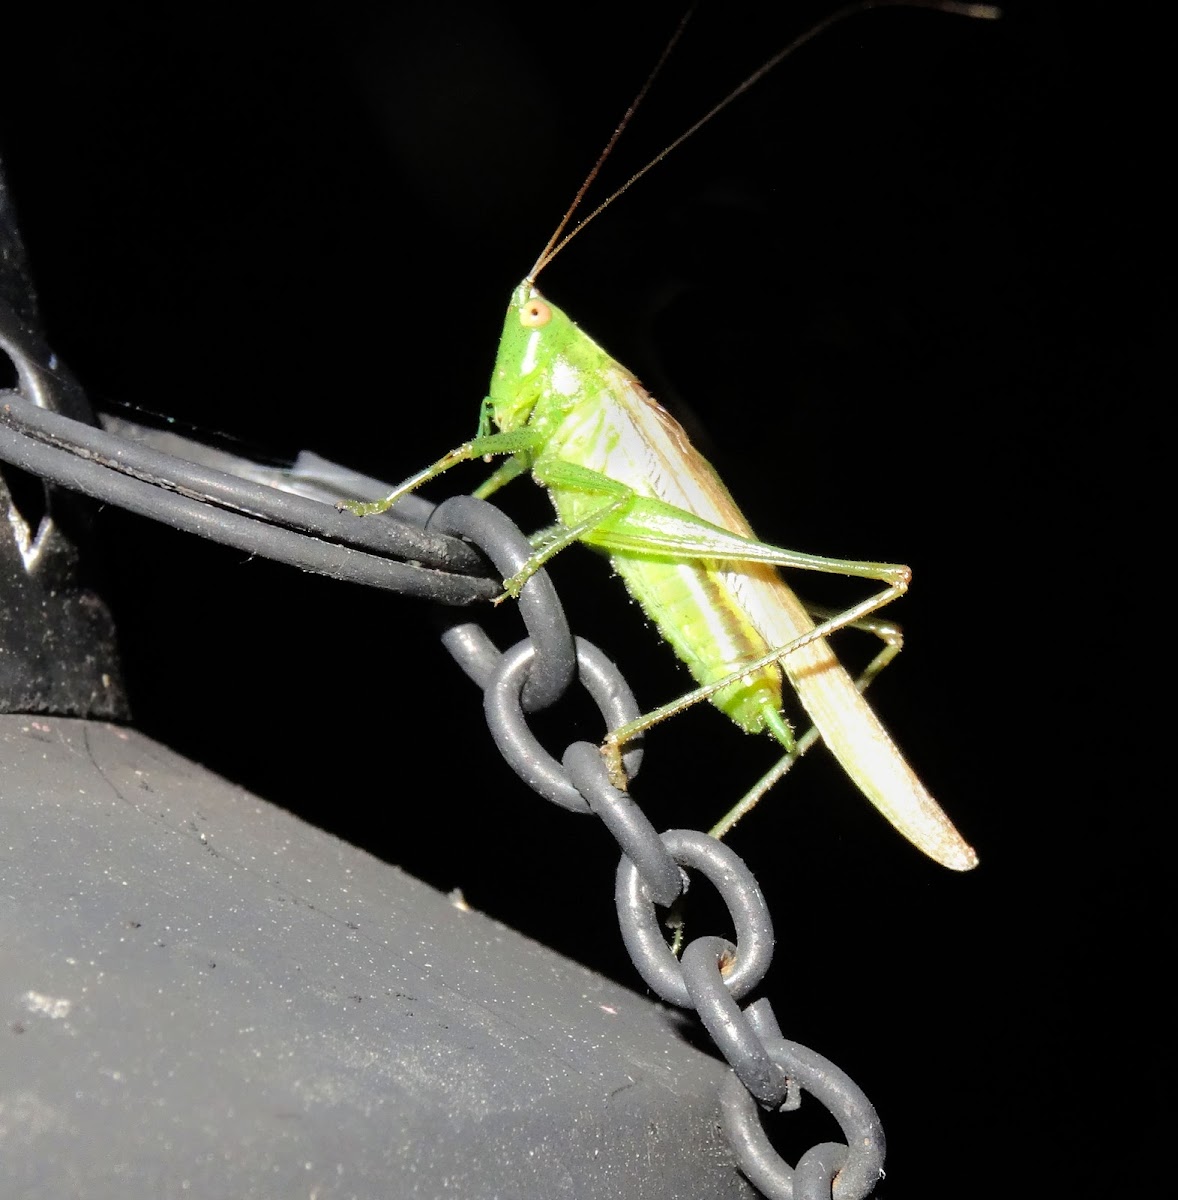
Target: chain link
point(713, 973)
point(837, 1092)
point(546, 678)
point(724, 868)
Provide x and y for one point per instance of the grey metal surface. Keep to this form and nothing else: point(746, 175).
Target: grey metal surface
point(204, 996)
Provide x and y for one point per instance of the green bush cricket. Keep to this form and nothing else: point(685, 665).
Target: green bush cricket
point(624, 478)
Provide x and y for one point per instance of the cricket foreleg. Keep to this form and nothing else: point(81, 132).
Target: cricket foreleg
point(519, 442)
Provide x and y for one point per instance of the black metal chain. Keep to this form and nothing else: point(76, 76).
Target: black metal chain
point(286, 514)
point(712, 973)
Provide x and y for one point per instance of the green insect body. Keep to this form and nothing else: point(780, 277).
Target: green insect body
point(592, 414)
point(624, 477)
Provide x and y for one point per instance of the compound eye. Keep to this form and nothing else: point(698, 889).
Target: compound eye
point(535, 314)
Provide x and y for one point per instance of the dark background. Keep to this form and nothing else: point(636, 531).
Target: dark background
point(911, 297)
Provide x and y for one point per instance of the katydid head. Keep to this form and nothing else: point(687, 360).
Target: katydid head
point(536, 360)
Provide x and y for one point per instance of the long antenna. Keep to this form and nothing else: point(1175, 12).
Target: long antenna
point(548, 253)
point(556, 243)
